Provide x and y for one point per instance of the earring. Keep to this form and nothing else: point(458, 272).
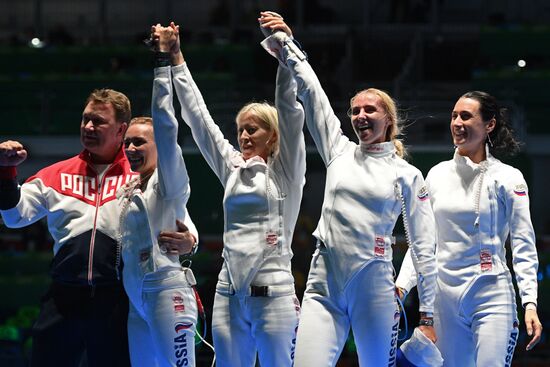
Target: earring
point(490, 141)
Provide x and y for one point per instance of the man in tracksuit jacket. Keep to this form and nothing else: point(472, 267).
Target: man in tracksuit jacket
point(85, 309)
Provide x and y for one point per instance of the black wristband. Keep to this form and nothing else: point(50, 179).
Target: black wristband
point(10, 193)
point(162, 59)
point(426, 322)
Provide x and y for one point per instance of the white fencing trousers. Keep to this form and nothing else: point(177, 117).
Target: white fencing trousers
point(161, 332)
point(477, 325)
point(242, 327)
point(367, 304)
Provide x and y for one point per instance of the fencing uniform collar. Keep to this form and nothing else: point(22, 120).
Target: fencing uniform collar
point(379, 149)
point(464, 160)
point(238, 161)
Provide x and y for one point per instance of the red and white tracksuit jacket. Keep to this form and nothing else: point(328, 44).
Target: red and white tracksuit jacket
point(81, 209)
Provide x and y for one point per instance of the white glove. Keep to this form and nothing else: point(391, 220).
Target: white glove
point(419, 351)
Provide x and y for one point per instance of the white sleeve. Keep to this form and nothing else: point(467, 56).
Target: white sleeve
point(323, 125)
point(522, 237)
point(173, 177)
point(216, 150)
point(292, 150)
point(407, 273)
point(420, 222)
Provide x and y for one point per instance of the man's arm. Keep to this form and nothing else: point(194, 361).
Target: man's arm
point(12, 153)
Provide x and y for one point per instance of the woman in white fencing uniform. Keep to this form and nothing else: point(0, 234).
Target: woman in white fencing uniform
point(350, 281)
point(163, 308)
point(478, 203)
point(255, 307)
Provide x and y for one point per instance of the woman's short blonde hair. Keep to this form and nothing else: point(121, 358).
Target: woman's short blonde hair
point(390, 107)
point(266, 114)
point(141, 120)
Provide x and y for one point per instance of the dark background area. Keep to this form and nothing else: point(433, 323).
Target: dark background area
point(425, 53)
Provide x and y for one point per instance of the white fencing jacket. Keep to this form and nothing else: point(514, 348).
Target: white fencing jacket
point(477, 207)
point(145, 214)
point(261, 200)
point(366, 188)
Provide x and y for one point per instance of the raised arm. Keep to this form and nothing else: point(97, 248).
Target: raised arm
point(20, 206)
point(322, 123)
point(292, 151)
point(173, 177)
point(12, 153)
point(292, 148)
point(220, 155)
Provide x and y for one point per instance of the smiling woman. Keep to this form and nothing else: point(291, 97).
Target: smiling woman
point(140, 147)
point(479, 202)
point(375, 119)
point(367, 185)
point(158, 286)
point(469, 130)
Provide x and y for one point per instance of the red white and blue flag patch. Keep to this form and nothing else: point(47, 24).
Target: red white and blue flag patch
point(182, 326)
point(520, 190)
point(423, 194)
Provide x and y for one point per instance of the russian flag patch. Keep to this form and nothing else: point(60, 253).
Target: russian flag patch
point(520, 190)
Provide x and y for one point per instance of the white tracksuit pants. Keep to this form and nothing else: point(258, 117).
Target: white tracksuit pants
point(367, 304)
point(242, 327)
point(161, 331)
point(477, 324)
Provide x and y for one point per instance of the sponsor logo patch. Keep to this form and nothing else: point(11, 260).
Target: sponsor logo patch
point(486, 260)
point(374, 148)
point(177, 300)
point(271, 238)
point(379, 246)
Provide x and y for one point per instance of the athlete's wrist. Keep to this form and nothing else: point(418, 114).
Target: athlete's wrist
point(176, 58)
point(193, 249)
point(162, 59)
point(8, 172)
